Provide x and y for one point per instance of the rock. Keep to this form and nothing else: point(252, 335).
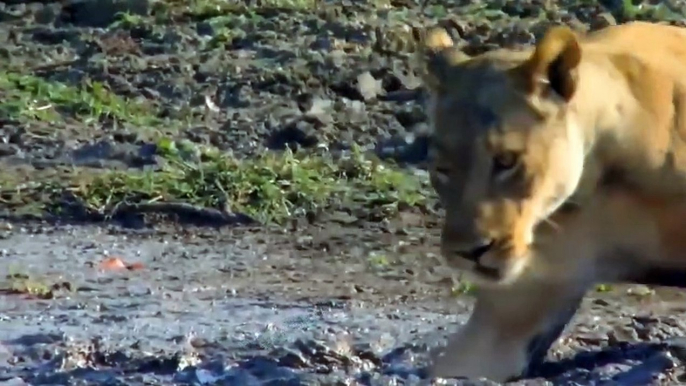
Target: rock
point(640, 290)
point(403, 149)
point(16, 381)
point(368, 87)
point(297, 132)
point(7, 149)
point(46, 14)
point(101, 13)
point(602, 20)
point(204, 29)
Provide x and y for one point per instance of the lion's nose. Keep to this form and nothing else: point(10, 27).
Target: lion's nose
point(475, 253)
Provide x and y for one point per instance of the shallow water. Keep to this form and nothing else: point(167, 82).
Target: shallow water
point(180, 301)
point(181, 316)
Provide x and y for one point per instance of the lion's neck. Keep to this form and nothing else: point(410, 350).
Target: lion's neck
point(626, 134)
point(610, 118)
point(602, 105)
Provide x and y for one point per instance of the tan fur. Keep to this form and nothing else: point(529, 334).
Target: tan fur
point(574, 113)
point(615, 238)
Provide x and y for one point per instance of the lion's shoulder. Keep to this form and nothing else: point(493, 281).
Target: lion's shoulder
point(641, 46)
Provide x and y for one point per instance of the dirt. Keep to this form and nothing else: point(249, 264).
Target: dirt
point(339, 299)
point(250, 307)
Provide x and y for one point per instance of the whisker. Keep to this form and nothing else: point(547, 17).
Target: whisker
point(553, 224)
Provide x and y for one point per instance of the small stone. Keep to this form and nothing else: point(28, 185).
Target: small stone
point(677, 347)
point(640, 290)
point(299, 132)
point(577, 25)
point(16, 381)
point(319, 112)
point(622, 335)
point(368, 87)
point(336, 58)
point(46, 14)
point(7, 150)
point(319, 106)
point(304, 101)
point(602, 20)
point(204, 29)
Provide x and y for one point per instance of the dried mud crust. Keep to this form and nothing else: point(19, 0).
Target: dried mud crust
point(240, 76)
point(140, 112)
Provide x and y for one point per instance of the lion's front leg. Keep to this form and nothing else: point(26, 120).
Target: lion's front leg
point(476, 350)
point(509, 332)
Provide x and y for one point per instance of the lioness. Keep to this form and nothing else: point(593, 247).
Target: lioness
point(619, 236)
point(518, 133)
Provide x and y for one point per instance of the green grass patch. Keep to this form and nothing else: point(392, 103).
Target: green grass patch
point(21, 283)
point(378, 261)
point(28, 97)
point(127, 20)
point(463, 287)
point(270, 188)
point(663, 11)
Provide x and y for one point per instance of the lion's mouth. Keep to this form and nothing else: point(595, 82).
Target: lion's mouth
point(491, 273)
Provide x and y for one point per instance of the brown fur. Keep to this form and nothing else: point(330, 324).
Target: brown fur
point(596, 120)
point(619, 236)
point(519, 133)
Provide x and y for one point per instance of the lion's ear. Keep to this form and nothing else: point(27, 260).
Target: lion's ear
point(554, 63)
point(437, 52)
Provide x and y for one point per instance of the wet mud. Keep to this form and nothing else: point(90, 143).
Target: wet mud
point(211, 310)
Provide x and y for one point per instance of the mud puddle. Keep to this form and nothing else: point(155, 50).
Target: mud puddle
point(92, 306)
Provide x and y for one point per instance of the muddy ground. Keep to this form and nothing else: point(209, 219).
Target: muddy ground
point(310, 267)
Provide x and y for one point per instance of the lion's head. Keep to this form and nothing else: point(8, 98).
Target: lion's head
point(505, 149)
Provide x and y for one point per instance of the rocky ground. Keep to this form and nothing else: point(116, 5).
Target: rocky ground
point(232, 193)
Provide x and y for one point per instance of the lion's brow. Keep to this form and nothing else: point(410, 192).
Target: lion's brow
point(461, 154)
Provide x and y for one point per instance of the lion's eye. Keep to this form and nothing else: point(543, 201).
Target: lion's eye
point(504, 162)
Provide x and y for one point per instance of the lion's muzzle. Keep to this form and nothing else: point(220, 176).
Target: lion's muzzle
point(490, 260)
point(471, 256)
point(474, 252)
